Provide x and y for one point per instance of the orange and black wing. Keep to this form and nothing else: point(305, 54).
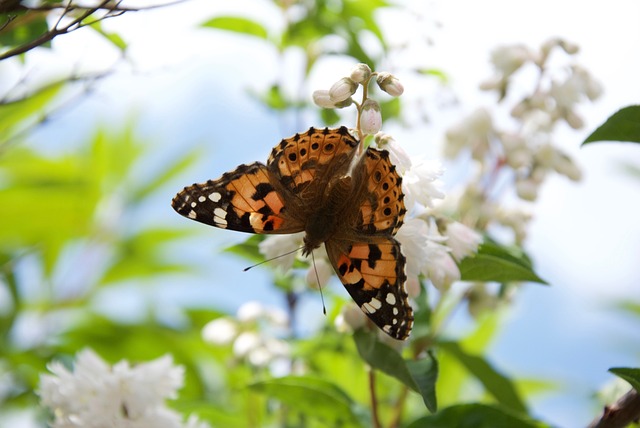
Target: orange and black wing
point(246, 200)
point(307, 162)
point(381, 207)
point(373, 272)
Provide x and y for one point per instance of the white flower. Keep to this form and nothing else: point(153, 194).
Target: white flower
point(508, 59)
point(462, 240)
point(390, 84)
point(250, 311)
point(260, 350)
point(413, 238)
point(342, 90)
point(96, 395)
point(360, 73)
point(441, 269)
point(516, 150)
point(420, 184)
point(323, 269)
point(281, 249)
point(370, 117)
point(527, 189)
point(473, 133)
point(246, 342)
point(322, 99)
point(351, 318)
point(397, 155)
point(220, 331)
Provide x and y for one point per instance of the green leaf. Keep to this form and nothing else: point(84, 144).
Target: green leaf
point(32, 108)
point(237, 25)
point(623, 125)
point(631, 375)
point(383, 357)
point(435, 72)
point(499, 386)
point(497, 263)
point(168, 173)
point(248, 249)
point(329, 116)
point(476, 415)
point(312, 397)
point(391, 108)
point(425, 374)
point(24, 28)
point(114, 38)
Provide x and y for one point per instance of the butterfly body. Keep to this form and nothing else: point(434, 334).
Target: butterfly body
point(314, 183)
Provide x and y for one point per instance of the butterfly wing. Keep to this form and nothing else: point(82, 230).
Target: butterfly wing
point(306, 163)
point(372, 271)
point(381, 204)
point(366, 257)
point(248, 199)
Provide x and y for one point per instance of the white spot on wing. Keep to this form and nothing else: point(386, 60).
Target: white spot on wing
point(391, 299)
point(368, 308)
point(395, 311)
point(202, 199)
point(193, 204)
point(192, 214)
point(215, 196)
point(375, 303)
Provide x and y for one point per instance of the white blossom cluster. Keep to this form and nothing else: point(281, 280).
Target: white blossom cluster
point(526, 152)
point(97, 395)
point(253, 335)
point(516, 154)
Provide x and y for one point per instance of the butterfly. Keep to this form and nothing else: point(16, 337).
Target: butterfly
point(315, 182)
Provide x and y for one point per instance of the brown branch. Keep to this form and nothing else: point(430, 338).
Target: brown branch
point(108, 7)
point(54, 32)
point(112, 10)
point(375, 418)
point(620, 414)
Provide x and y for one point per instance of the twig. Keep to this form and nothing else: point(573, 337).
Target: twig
point(54, 32)
point(374, 399)
point(620, 414)
point(112, 10)
point(399, 407)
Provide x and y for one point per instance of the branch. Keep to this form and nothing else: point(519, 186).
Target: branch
point(620, 414)
point(109, 7)
point(374, 399)
point(112, 9)
point(54, 32)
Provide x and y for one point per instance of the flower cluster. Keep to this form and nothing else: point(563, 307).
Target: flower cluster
point(340, 95)
point(521, 157)
point(96, 394)
point(253, 335)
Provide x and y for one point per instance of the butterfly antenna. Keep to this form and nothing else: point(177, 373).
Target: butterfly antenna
point(315, 269)
point(271, 259)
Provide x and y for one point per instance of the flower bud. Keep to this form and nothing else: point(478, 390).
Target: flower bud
point(569, 47)
point(342, 90)
point(370, 117)
point(220, 331)
point(573, 120)
point(322, 99)
point(462, 240)
point(390, 84)
point(527, 189)
point(360, 73)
